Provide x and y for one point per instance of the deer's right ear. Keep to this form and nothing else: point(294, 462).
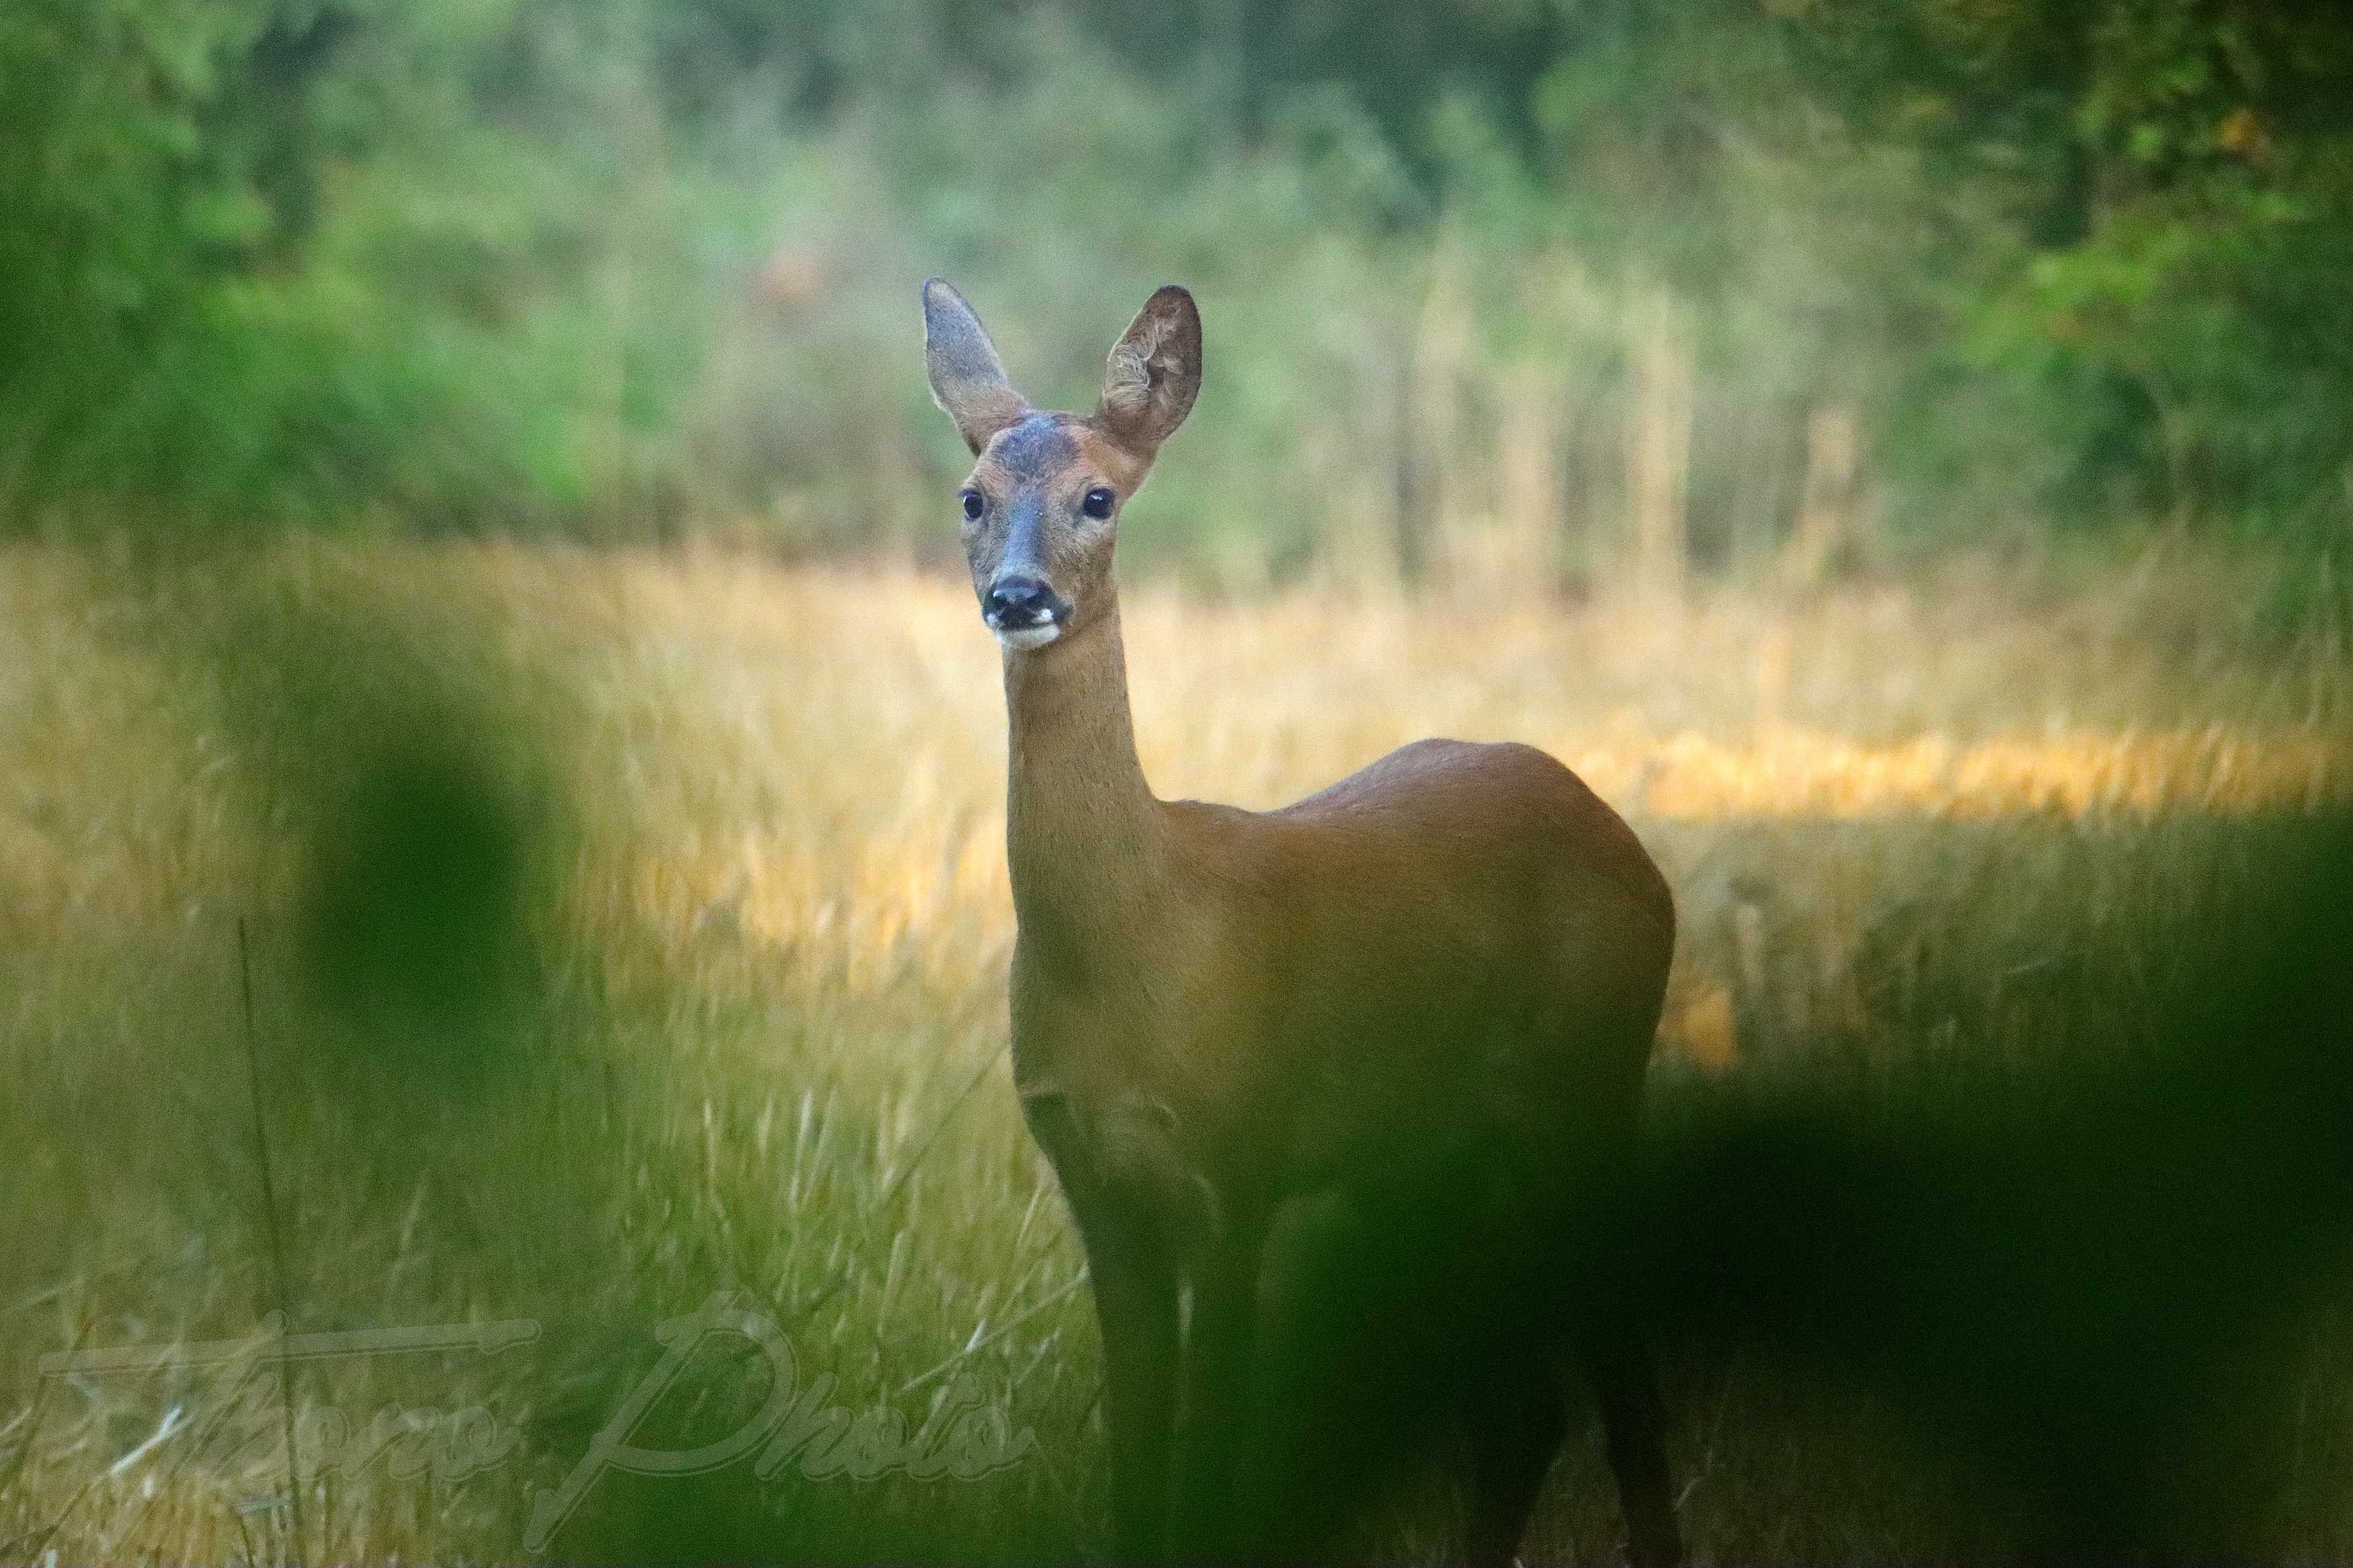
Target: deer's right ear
point(967, 379)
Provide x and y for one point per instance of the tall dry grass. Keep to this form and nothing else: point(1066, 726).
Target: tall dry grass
point(747, 1027)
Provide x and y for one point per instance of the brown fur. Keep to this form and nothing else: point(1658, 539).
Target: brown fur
point(1400, 1026)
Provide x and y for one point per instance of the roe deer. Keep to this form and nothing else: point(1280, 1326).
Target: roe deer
point(1328, 1089)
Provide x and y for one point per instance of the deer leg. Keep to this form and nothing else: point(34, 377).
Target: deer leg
point(1317, 1407)
point(1136, 1306)
point(1133, 1278)
point(1220, 1338)
point(1516, 1422)
point(1633, 1428)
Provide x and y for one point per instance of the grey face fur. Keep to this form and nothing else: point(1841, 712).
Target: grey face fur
point(1042, 505)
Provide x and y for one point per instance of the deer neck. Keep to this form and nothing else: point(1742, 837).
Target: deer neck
point(1082, 830)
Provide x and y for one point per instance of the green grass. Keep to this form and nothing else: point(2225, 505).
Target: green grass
point(629, 929)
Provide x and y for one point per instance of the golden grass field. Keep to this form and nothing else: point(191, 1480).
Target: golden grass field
point(732, 1014)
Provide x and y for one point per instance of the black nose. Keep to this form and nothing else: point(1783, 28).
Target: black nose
point(1016, 602)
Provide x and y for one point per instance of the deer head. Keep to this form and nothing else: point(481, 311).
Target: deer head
point(1041, 507)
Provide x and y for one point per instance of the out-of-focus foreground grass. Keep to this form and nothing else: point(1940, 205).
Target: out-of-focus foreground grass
point(625, 927)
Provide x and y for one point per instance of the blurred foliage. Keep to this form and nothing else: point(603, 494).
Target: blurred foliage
point(617, 269)
point(2081, 1278)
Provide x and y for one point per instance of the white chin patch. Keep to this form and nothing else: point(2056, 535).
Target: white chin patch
point(1022, 639)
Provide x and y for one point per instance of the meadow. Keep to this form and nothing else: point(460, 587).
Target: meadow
point(515, 946)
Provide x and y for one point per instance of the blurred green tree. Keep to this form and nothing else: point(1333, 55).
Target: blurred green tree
point(609, 267)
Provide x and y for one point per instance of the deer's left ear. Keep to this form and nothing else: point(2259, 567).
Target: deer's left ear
point(967, 378)
point(1154, 372)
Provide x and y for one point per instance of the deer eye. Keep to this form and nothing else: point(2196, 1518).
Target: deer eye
point(1097, 504)
point(974, 506)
